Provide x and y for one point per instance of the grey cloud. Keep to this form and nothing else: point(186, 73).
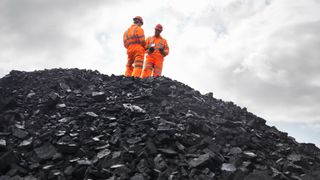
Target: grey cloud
point(44, 27)
point(292, 51)
point(278, 77)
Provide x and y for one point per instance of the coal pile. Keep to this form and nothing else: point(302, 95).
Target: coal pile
point(78, 124)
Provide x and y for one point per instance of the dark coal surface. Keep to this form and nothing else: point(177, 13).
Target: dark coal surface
point(78, 124)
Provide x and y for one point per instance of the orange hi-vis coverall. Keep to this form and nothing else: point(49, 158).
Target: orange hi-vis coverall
point(154, 61)
point(134, 41)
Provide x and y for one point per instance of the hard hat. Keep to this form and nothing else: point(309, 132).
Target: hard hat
point(159, 27)
point(138, 18)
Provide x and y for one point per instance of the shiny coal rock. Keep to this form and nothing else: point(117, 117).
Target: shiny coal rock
point(64, 124)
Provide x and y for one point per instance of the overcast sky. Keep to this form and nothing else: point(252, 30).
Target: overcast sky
point(260, 54)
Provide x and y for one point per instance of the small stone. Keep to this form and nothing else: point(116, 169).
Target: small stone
point(69, 170)
point(249, 154)
point(295, 168)
point(134, 140)
point(168, 151)
point(117, 166)
point(20, 133)
point(31, 94)
point(65, 119)
point(34, 166)
point(258, 175)
point(160, 163)
point(137, 177)
point(99, 96)
point(199, 160)
point(228, 167)
point(60, 133)
point(84, 161)
point(180, 146)
point(25, 143)
point(235, 150)
point(102, 147)
point(6, 160)
point(92, 114)
point(294, 157)
point(67, 147)
point(45, 152)
point(103, 153)
point(65, 87)
point(3, 142)
point(59, 106)
point(47, 167)
point(54, 96)
point(134, 108)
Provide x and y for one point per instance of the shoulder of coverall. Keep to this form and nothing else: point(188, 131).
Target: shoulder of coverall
point(163, 39)
point(137, 29)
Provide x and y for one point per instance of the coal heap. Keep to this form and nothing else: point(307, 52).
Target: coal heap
point(79, 124)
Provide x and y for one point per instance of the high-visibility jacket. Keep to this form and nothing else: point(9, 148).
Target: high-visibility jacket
point(134, 36)
point(134, 41)
point(157, 43)
point(154, 60)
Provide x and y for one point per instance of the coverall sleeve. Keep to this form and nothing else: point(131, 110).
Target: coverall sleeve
point(166, 48)
point(147, 44)
point(140, 35)
point(124, 40)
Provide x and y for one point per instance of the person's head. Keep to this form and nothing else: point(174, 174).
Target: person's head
point(158, 29)
point(138, 20)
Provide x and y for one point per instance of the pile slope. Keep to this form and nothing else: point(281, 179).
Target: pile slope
point(80, 124)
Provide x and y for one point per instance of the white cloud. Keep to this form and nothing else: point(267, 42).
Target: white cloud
point(266, 61)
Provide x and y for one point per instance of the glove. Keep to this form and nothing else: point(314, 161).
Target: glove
point(161, 51)
point(151, 50)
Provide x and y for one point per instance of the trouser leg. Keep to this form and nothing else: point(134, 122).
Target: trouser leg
point(129, 65)
point(129, 68)
point(157, 70)
point(138, 65)
point(147, 71)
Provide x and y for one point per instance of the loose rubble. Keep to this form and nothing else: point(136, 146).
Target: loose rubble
point(64, 124)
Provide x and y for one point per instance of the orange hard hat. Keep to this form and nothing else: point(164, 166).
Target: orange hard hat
point(138, 18)
point(159, 27)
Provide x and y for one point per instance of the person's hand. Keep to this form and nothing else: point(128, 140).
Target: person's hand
point(151, 50)
point(161, 51)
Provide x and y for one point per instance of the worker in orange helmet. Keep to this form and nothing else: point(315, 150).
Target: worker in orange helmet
point(157, 48)
point(134, 42)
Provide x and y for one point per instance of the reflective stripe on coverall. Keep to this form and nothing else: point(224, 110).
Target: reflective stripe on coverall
point(154, 61)
point(134, 41)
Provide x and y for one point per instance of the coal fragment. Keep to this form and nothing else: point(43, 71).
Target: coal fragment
point(137, 177)
point(3, 143)
point(99, 96)
point(201, 160)
point(160, 163)
point(6, 160)
point(26, 143)
point(92, 114)
point(134, 140)
point(134, 108)
point(103, 153)
point(228, 167)
point(45, 152)
point(168, 151)
point(20, 133)
point(261, 175)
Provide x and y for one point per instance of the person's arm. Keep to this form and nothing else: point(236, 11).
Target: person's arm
point(125, 40)
point(165, 50)
point(141, 37)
